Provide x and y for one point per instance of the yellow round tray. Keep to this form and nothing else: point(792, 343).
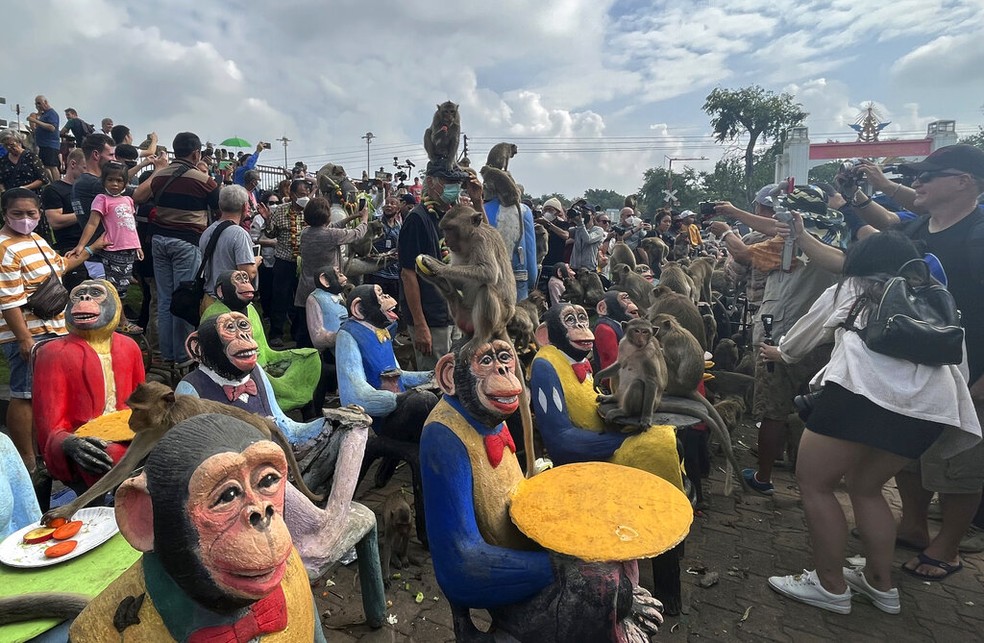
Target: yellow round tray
point(114, 427)
point(598, 511)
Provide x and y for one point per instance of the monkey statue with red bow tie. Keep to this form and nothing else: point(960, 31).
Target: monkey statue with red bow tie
point(468, 467)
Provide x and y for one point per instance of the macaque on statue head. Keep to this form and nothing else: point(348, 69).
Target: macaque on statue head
point(93, 310)
point(209, 504)
point(566, 327)
point(483, 378)
point(225, 344)
point(235, 290)
point(368, 303)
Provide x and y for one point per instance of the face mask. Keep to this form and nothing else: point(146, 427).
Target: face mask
point(451, 193)
point(23, 226)
point(302, 201)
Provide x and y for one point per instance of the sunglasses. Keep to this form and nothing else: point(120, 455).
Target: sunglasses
point(272, 203)
point(926, 177)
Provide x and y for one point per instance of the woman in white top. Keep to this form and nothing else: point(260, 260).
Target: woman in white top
point(875, 414)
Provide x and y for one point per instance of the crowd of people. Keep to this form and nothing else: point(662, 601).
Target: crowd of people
point(146, 222)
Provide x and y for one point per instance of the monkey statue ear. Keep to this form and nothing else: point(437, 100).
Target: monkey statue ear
point(444, 373)
point(218, 291)
point(135, 513)
point(323, 280)
point(602, 307)
point(193, 346)
point(355, 308)
point(541, 336)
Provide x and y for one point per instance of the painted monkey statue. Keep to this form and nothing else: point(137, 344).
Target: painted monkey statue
point(331, 455)
point(368, 373)
point(614, 309)
point(469, 468)
point(218, 563)
point(326, 309)
point(90, 372)
point(293, 373)
point(566, 406)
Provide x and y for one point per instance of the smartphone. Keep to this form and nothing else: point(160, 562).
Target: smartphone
point(362, 204)
point(256, 250)
point(266, 146)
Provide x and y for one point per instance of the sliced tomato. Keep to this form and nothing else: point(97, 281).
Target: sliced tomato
point(57, 522)
point(68, 530)
point(39, 535)
point(60, 549)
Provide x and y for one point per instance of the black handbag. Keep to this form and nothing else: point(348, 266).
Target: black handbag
point(51, 297)
point(916, 320)
point(186, 300)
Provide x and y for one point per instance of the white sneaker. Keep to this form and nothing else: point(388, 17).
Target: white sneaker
point(887, 602)
point(806, 588)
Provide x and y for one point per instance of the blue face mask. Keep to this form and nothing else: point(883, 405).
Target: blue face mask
point(451, 193)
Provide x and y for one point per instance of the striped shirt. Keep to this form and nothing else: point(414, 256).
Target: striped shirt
point(22, 270)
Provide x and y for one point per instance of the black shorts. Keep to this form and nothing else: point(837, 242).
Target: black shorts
point(841, 414)
point(49, 157)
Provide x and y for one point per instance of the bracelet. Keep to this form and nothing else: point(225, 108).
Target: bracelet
point(89, 250)
point(898, 186)
point(863, 204)
point(726, 233)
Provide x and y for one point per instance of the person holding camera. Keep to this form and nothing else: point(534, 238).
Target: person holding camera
point(553, 217)
point(588, 237)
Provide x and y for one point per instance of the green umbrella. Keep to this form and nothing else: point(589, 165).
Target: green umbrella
point(235, 141)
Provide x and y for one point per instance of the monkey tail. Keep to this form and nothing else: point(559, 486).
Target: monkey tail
point(703, 410)
point(292, 465)
point(27, 607)
point(527, 421)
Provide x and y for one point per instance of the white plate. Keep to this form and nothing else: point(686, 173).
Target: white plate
point(98, 526)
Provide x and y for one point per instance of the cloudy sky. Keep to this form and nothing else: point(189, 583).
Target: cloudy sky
point(592, 91)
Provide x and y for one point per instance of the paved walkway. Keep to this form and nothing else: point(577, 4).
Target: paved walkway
point(744, 541)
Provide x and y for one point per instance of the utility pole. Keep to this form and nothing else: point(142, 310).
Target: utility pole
point(283, 139)
point(368, 138)
point(669, 173)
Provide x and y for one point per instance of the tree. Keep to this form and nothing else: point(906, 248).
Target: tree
point(754, 111)
point(687, 185)
point(977, 140)
point(555, 195)
point(607, 199)
point(825, 173)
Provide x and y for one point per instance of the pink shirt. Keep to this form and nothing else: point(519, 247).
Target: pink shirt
point(118, 220)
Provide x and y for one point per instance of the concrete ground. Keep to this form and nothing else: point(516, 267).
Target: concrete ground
point(744, 540)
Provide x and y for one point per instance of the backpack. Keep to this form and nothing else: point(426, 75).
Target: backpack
point(916, 319)
point(87, 128)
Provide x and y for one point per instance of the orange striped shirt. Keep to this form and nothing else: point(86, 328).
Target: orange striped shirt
point(22, 270)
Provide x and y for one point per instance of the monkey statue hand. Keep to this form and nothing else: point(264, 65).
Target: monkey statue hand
point(645, 617)
point(89, 453)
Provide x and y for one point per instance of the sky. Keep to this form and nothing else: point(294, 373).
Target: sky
point(593, 92)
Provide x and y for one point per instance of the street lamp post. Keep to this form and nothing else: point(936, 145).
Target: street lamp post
point(283, 139)
point(368, 138)
point(669, 174)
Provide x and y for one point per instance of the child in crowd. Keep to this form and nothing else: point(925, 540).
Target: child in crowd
point(117, 214)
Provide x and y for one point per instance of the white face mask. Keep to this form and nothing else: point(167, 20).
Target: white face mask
point(302, 201)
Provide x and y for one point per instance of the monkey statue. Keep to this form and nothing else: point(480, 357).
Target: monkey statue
point(331, 455)
point(514, 221)
point(294, 373)
point(218, 563)
point(614, 309)
point(88, 373)
point(500, 154)
point(368, 373)
point(326, 308)
point(566, 406)
point(441, 138)
point(481, 560)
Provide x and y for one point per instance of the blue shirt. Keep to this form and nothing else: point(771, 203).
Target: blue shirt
point(43, 137)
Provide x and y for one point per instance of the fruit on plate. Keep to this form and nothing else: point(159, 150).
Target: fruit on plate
point(39, 535)
point(61, 549)
point(68, 530)
point(57, 522)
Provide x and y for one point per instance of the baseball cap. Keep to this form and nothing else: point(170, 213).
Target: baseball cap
point(961, 157)
point(680, 216)
point(764, 196)
point(446, 172)
point(553, 202)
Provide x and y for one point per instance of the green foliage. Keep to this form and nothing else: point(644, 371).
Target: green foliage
point(686, 184)
point(824, 173)
point(605, 198)
point(563, 199)
point(977, 140)
point(755, 112)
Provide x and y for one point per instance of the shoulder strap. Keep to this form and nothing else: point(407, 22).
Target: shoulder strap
point(852, 316)
point(177, 173)
point(210, 248)
point(43, 255)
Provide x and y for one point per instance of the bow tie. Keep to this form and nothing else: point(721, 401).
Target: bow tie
point(233, 392)
point(495, 444)
point(582, 370)
point(265, 616)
